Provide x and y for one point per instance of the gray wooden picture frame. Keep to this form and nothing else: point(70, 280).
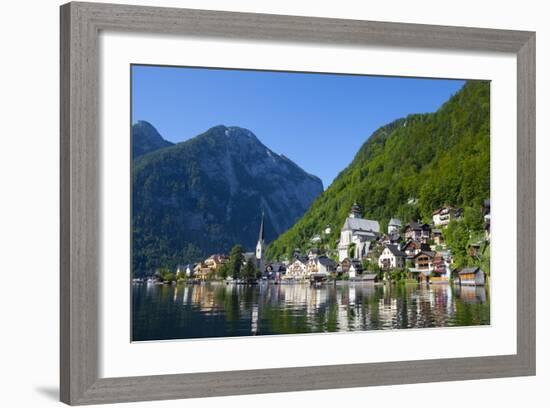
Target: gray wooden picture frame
point(81, 24)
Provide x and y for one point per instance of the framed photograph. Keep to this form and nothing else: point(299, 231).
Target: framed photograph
point(282, 203)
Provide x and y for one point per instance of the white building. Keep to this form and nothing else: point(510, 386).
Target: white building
point(297, 269)
point(442, 216)
point(394, 225)
point(391, 257)
point(357, 232)
point(320, 265)
point(260, 247)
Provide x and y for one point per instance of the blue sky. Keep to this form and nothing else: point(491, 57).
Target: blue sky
point(317, 120)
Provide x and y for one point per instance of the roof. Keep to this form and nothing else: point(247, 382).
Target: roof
point(326, 261)
point(417, 226)
point(394, 249)
point(473, 269)
point(302, 259)
point(369, 276)
point(395, 237)
point(411, 242)
point(445, 208)
point(361, 224)
point(395, 221)
point(431, 254)
point(277, 266)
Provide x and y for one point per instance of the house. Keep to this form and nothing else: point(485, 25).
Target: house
point(297, 269)
point(319, 267)
point(343, 266)
point(424, 262)
point(356, 234)
point(411, 248)
point(394, 225)
point(214, 262)
point(437, 236)
point(443, 215)
point(486, 212)
point(391, 257)
point(202, 271)
point(474, 249)
point(181, 271)
point(312, 253)
point(325, 265)
point(417, 232)
point(439, 265)
point(249, 256)
point(393, 238)
point(355, 268)
point(473, 276)
point(372, 277)
point(275, 270)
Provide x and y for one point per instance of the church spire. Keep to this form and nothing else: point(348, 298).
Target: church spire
point(260, 247)
point(261, 237)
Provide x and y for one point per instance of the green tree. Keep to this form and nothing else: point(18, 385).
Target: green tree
point(223, 271)
point(250, 271)
point(236, 260)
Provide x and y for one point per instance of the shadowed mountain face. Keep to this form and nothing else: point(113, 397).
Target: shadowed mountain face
point(146, 139)
point(204, 195)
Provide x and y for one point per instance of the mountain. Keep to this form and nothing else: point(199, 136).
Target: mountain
point(206, 194)
point(407, 169)
point(146, 139)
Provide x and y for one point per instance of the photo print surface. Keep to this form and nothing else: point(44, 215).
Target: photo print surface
point(267, 202)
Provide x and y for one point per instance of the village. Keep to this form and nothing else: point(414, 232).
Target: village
point(415, 253)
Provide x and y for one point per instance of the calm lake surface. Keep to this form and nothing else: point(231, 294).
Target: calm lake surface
point(162, 312)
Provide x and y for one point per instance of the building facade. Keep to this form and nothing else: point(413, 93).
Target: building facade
point(356, 235)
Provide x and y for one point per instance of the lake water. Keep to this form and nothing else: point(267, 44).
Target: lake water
point(162, 312)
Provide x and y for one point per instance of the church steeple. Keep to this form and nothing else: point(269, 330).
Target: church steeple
point(355, 211)
point(261, 237)
point(260, 246)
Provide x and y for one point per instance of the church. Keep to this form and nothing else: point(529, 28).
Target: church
point(260, 247)
point(357, 233)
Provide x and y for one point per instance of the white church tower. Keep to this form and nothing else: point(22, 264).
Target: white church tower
point(260, 247)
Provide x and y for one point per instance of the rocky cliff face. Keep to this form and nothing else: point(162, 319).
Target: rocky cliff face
point(207, 194)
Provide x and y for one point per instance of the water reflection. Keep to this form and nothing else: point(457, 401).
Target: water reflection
point(220, 310)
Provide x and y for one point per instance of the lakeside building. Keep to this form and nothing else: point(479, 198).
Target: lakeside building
point(391, 257)
point(260, 247)
point(357, 233)
point(297, 269)
point(473, 276)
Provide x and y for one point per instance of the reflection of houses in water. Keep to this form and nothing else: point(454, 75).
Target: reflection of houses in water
point(471, 294)
point(254, 320)
point(203, 296)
